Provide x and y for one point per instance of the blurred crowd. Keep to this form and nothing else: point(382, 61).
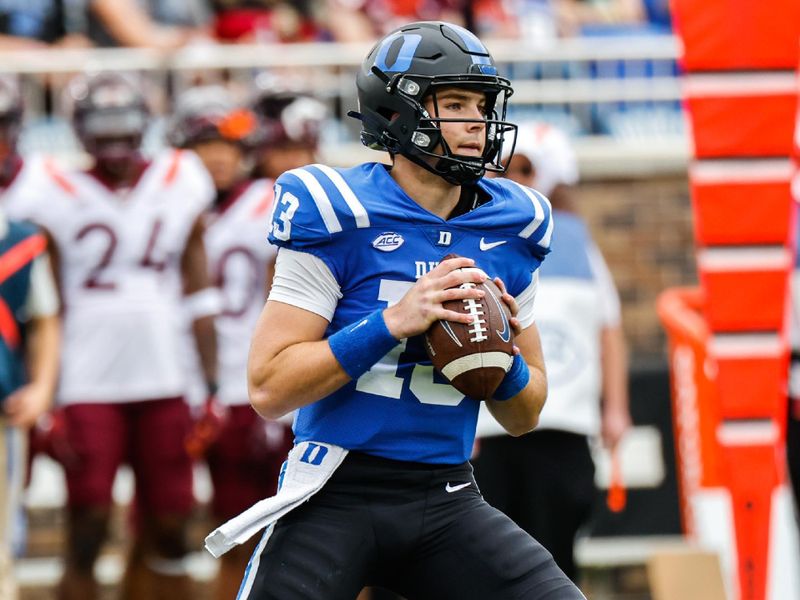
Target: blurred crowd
point(170, 24)
point(209, 25)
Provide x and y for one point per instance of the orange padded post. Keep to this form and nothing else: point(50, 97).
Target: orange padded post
point(745, 289)
point(750, 375)
point(741, 94)
point(742, 114)
point(746, 34)
point(742, 202)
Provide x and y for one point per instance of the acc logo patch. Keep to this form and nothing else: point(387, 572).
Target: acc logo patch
point(387, 242)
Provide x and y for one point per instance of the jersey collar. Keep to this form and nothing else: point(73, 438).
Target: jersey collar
point(389, 185)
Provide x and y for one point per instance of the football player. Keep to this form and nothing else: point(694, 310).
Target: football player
point(17, 174)
point(128, 243)
point(378, 489)
point(245, 458)
point(291, 123)
point(29, 332)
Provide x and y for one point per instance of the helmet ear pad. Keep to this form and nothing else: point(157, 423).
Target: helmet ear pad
point(390, 122)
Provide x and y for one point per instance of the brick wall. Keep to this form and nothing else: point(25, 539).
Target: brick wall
point(644, 229)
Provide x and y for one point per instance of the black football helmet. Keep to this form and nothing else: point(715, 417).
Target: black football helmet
point(210, 112)
point(11, 111)
point(110, 115)
point(412, 63)
point(289, 114)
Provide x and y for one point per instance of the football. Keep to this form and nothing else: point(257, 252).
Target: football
point(474, 357)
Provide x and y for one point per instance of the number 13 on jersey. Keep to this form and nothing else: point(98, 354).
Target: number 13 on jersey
point(285, 207)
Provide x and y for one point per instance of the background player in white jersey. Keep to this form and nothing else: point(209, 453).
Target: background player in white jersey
point(28, 311)
point(387, 495)
point(291, 125)
point(245, 457)
point(127, 240)
point(544, 480)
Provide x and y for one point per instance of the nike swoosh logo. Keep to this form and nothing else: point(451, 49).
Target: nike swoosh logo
point(364, 322)
point(454, 488)
point(505, 335)
point(484, 245)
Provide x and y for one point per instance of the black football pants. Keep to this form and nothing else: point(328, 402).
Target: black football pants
point(423, 531)
point(544, 481)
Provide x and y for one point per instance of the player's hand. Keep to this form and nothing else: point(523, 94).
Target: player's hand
point(422, 304)
point(27, 404)
point(206, 428)
point(615, 424)
point(512, 305)
point(513, 308)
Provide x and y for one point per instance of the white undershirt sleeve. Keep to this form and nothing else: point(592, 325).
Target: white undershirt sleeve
point(525, 302)
point(42, 300)
point(305, 281)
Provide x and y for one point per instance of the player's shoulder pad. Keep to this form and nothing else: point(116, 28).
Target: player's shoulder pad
point(315, 203)
point(39, 191)
point(183, 170)
point(260, 195)
point(55, 175)
point(529, 210)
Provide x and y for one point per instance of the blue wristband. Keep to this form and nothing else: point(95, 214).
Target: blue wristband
point(360, 345)
point(515, 380)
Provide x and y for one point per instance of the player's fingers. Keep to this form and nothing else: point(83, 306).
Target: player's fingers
point(458, 293)
point(499, 283)
point(456, 278)
point(511, 303)
point(450, 264)
point(516, 326)
point(507, 298)
point(23, 418)
point(13, 404)
point(455, 317)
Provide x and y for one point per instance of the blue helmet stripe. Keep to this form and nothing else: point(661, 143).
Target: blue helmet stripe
point(474, 46)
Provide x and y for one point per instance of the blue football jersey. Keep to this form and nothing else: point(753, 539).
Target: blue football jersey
point(377, 242)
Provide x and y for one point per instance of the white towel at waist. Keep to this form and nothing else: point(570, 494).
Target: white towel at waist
point(307, 468)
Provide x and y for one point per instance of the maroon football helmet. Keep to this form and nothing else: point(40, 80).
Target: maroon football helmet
point(290, 115)
point(210, 112)
point(110, 115)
